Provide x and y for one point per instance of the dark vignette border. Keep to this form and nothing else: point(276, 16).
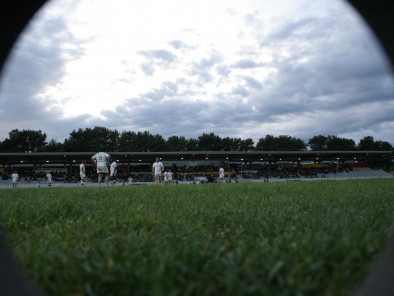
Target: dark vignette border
point(14, 16)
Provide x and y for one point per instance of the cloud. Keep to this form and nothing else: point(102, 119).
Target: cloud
point(243, 92)
point(213, 59)
point(179, 44)
point(223, 70)
point(293, 72)
point(246, 64)
point(158, 54)
point(204, 67)
point(253, 83)
point(167, 89)
point(148, 68)
point(38, 59)
point(158, 57)
point(304, 27)
point(206, 64)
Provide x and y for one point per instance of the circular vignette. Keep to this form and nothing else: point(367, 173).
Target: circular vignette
point(15, 14)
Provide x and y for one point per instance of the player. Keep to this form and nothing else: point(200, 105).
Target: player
point(49, 179)
point(14, 179)
point(221, 175)
point(165, 178)
point(131, 180)
point(102, 160)
point(169, 176)
point(157, 169)
point(113, 170)
point(82, 172)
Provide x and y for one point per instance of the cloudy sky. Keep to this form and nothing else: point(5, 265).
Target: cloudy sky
point(238, 68)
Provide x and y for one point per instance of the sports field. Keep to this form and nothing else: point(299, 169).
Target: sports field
point(285, 238)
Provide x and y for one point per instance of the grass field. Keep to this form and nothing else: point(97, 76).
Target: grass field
point(292, 238)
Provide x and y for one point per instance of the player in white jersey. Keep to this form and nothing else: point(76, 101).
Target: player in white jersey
point(113, 170)
point(168, 177)
point(102, 160)
point(49, 179)
point(131, 180)
point(82, 172)
point(14, 179)
point(157, 169)
point(221, 175)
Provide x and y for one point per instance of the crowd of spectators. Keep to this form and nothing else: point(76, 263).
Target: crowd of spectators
point(282, 172)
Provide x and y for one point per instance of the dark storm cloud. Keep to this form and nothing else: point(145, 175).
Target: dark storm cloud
point(38, 59)
point(169, 111)
point(166, 117)
point(335, 72)
point(327, 84)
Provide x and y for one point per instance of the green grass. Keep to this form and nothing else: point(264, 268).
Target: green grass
point(293, 238)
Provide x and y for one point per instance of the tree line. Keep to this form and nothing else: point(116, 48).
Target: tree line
point(104, 139)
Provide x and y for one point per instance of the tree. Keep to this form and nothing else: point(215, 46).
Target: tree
point(209, 142)
point(142, 141)
point(175, 143)
point(53, 146)
point(335, 143)
point(192, 145)
point(127, 141)
point(25, 140)
point(158, 143)
point(246, 145)
point(288, 143)
point(281, 143)
point(92, 140)
point(382, 145)
point(77, 141)
point(104, 139)
point(266, 144)
point(368, 143)
point(231, 144)
point(318, 143)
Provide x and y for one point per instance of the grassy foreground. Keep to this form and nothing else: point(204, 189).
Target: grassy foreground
point(294, 238)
